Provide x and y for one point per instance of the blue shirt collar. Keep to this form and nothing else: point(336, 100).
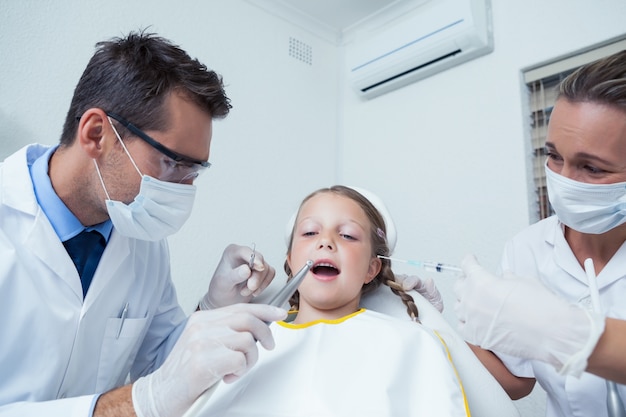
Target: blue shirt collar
point(65, 223)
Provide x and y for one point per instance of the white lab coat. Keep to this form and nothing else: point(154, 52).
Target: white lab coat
point(365, 364)
point(541, 251)
point(56, 345)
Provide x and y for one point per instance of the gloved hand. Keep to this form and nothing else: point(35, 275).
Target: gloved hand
point(215, 345)
point(523, 318)
point(233, 281)
point(425, 287)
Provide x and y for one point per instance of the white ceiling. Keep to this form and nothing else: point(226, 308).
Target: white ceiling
point(326, 18)
point(339, 14)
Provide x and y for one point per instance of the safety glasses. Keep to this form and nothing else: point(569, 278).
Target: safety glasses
point(174, 168)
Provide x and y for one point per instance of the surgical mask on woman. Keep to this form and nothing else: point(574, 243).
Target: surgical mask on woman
point(159, 210)
point(584, 207)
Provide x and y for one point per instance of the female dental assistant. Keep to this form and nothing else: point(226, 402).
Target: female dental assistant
point(536, 322)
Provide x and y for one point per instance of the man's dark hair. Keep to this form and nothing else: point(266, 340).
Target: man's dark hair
point(132, 76)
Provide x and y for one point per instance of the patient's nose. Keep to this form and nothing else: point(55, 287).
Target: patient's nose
point(325, 243)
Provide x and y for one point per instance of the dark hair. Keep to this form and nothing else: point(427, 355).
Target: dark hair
point(133, 76)
point(379, 247)
point(602, 81)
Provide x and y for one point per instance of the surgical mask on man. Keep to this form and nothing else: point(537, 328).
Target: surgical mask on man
point(159, 210)
point(584, 207)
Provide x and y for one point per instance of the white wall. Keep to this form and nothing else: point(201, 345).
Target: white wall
point(447, 154)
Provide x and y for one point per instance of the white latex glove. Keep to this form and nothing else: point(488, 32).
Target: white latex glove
point(521, 317)
point(234, 281)
point(215, 345)
point(426, 287)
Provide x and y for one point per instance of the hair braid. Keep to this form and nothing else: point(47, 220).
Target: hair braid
point(407, 299)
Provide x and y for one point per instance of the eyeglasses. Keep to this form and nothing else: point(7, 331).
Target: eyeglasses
point(176, 167)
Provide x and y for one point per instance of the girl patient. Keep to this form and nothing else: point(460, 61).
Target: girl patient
point(332, 357)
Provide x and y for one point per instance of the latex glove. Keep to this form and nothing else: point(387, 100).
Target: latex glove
point(234, 281)
point(523, 318)
point(426, 287)
point(217, 344)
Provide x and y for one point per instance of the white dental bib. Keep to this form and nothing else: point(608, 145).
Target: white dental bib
point(365, 364)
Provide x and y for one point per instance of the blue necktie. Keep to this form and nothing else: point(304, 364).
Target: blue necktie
point(85, 249)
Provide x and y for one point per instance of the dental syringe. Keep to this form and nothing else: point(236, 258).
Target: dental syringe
point(428, 266)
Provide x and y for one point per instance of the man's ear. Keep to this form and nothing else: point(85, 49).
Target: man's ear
point(91, 130)
point(374, 269)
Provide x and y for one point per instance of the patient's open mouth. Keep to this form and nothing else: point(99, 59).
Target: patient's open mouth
point(325, 269)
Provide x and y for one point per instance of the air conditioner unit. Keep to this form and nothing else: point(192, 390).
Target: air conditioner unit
point(435, 36)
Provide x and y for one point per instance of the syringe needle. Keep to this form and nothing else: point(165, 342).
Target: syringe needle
point(429, 266)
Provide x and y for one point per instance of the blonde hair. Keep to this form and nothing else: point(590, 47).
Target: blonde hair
point(379, 247)
point(602, 81)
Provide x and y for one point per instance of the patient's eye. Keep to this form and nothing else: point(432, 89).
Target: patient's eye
point(347, 236)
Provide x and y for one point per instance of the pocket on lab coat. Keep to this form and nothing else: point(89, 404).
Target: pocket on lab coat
point(118, 352)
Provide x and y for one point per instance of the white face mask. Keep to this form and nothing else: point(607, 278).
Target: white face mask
point(159, 210)
point(584, 207)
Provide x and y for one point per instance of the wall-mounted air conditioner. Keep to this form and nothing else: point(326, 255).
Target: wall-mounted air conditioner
point(435, 36)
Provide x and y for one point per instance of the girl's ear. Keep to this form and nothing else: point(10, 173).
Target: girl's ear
point(289, 262)
point(374, 269)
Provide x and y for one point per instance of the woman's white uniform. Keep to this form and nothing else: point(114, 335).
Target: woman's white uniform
point(55, 344)
point(365, 364)
point(541, 251)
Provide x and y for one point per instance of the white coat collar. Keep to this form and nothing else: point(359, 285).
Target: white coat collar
point(565, 258)
point(42, 241)
point(18, 187)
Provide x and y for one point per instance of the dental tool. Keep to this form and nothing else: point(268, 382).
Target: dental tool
point(614, 404)
point(428, 266)
point(252, 257)
point(280, 298)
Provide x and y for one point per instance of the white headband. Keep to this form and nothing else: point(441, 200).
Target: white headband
point(391, 235)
